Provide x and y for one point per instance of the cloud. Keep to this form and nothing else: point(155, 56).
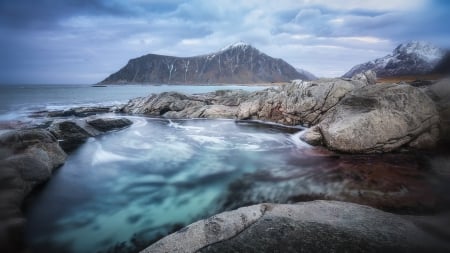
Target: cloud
point(84, 41)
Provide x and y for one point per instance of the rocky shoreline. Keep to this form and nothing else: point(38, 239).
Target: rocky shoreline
point(346, 115)
point(28, 158)
point(358, 120)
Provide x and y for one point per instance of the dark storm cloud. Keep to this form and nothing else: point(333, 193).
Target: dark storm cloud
point(84, 41)
point(45, 13)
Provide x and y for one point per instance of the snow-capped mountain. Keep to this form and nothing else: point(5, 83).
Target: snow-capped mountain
point(238, 63)
point(413, 58)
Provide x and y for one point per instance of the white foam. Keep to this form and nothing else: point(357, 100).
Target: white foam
point(179, 126)
point(295, 139)
point(202, 139)
point(102, 156)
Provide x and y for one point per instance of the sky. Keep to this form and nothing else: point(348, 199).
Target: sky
point(83, 41)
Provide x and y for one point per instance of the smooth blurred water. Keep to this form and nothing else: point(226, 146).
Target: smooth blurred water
point(145, 179)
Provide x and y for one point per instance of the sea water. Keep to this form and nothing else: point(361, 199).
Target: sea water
point(143, 181)
point(18, 101)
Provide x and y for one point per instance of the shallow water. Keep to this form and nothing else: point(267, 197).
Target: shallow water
point(144, 180)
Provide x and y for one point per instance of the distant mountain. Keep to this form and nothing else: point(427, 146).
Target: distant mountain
point(309, 75)
point(413, 58)
point(239, 63)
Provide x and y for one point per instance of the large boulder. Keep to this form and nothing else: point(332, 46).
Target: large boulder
point(319, 226)
point(27, 158)
point(381, 118)
point(301, 102)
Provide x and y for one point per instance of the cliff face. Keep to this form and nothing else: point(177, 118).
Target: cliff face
point(239, 63)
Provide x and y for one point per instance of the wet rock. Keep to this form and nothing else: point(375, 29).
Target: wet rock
point(27, 158)
point(108, 124)
point(312, 136)
point(379, 118)
point(319, 226)
point(78, 112)
point(69, 133)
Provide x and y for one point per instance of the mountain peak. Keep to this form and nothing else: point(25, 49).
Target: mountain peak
point(412, 58)
point(423, 50)
point(240, 44)
point(238, 63)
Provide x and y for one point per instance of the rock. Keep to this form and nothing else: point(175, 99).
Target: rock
point(392, 182)
point(369, 77)
point(78, 112)
point(378, 118)
point(440, 93)
point(352, 116)
point(69, 133)
point(312, 136)
point(108, 124)
point(159, 104)
point(319, 226)
point(27, 158)
point(301, 102)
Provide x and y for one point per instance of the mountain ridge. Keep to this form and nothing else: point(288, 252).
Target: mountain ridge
point(238, 63)
point(412, 58)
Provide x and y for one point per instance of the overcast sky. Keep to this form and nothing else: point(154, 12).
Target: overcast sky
point(83, 41)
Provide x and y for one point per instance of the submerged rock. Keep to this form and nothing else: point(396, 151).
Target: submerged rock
point(319, 226)
point(27, 158)
point(392, 182)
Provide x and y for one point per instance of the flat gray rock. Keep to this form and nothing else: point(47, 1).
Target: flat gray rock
point(318, 226)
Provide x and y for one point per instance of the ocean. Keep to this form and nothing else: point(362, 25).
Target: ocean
point(17, 102)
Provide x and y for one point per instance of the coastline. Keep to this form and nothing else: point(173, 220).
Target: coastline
point(300, 198)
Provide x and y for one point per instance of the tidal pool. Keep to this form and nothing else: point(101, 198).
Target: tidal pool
point(129, 187)
point(123, 190)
